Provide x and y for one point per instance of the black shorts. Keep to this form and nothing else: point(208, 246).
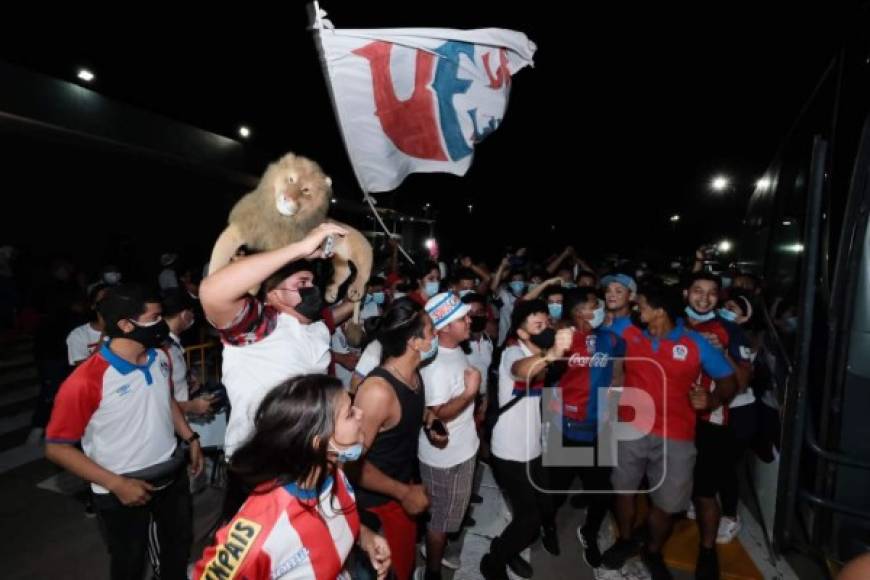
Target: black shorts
point(718, 453)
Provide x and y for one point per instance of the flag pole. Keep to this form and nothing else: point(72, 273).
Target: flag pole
point(317, 17)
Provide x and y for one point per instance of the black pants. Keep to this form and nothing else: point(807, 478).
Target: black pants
point(743, 426)
point(52, 372)
point(531, 509)
point(593, 477)
point(126, 531)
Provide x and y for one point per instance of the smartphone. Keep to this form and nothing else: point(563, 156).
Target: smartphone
point(439, 428)
point(328, 246)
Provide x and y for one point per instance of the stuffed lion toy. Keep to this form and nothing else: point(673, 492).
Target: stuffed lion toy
point(292, 198)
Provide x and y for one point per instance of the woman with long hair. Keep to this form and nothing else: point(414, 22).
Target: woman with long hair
point(301, 520)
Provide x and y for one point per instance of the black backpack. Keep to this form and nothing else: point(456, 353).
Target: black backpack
point(493, 412)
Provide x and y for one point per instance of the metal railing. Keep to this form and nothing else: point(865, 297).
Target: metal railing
point(202, 352)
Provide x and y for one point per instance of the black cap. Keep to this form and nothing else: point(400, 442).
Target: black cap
point(175, 301)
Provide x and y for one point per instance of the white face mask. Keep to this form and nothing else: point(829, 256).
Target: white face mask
point(112, 277)
point(597, 316)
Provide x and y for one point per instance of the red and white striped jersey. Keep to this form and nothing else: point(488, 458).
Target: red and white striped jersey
point(282, 533)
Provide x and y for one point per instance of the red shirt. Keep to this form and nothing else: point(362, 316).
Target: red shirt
point(665, 369)
point(733, 342)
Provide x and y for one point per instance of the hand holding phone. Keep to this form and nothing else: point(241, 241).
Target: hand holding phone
point(438, 427)
point(328, 246)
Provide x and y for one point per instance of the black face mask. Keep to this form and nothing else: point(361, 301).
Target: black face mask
point(544, 340)
point(478, 323)
point(312, 303)
point(148, 336)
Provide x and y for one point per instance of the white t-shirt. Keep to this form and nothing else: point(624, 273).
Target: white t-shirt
point(369, 360)
point(504, 314)
point(517, 435)
point(481, 358)
point(747, 397)
point(181, 389)
point(167, 279)
point(252, 370)
point(339, 345)
point(81, 342)
point(443, 380)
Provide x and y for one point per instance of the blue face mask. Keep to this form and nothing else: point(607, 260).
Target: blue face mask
point(728, 315)
point(378, 297)
point(555, 311)
point(727, 281)
point(432, 288)
point(691, 313)
point(351, 453)
point(433, 350)
point(517, 287)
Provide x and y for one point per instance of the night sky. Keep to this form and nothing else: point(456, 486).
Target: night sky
point(626, 116)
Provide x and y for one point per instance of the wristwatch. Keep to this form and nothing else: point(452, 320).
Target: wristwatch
point(192, 438)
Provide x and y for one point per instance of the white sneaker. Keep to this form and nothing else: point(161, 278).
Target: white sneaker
point(728, 529)
point(634, 569)
point(690, 513)
point(605, 574)
point(447, 560)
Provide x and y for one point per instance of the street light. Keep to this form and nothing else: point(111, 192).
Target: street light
point(720, 183)
point(724, 247)
point(85, 75)
point(762, 183)
point(244, 132)
point(675, 218)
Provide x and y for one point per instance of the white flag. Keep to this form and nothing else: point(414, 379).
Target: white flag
point(417, 99)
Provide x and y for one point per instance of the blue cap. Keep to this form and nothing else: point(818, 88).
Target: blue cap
point(623, 279)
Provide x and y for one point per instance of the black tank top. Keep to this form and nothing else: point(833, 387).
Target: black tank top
point(394, 451)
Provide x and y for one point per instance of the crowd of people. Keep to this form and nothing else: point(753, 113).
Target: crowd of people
point(359, 453)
